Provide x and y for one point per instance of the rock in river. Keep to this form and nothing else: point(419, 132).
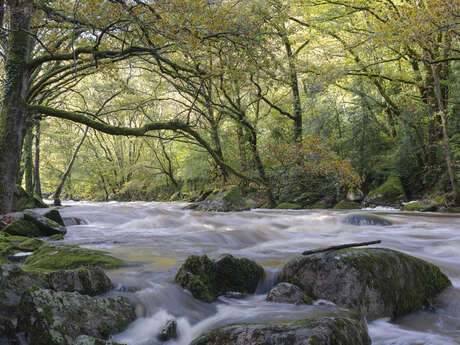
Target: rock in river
point(58, 318)
point(288, 293)
point(345, 328)
point(366, 219)
point(207, 279)
point(376, 282)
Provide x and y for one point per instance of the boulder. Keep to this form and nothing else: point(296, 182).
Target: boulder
point(11, 245)
point(169, 331)
point(14, 281)
point(344, 328)
point(22, 227)
point(58, 318)
point(207, 279)
point(23, 200)
point(426, 205)
point(288, 293)
point(288, 206)
point(54, 257)
point(54, 215)
point(391, 193)
point(230, 199)
point(377, 282)
point(69, 221)
point(47, 226)
point(365, 219)
point(346, 205)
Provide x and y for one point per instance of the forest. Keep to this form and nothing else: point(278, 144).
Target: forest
point(298, 102)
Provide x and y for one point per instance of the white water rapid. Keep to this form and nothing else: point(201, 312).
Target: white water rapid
point(155, 238)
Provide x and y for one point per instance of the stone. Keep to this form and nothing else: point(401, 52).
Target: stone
point(86, 340)
point(344, 328)
point(55, 216)
point(84, 281)
point(377, 282)
point(47, 226)
point(23, 200)
point(230, 199)
point(422, 206)
point(69, 221)
point(391, 193)
point(288, 293)
point(346, 205)
point(366, 219)
point(59, 318)
point(22, 227)
point(288, 206)
point(54, 257)
point(169, 331)
point(207, 279)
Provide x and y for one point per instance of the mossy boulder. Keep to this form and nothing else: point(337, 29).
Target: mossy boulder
point(11, 245)
point(23, 200)
point(288, 293)
point(229, 199)
point(85, 281)
point(288, 206)
point(391, 193)
point(22, 227)
point(377, 282)
point(366, 219)
point(54, 257)
point(425, 205)
point(58, 318)
point(207, 279)
point(344, 328)
point(346, 205)
point(47, 226)
point(54, 215)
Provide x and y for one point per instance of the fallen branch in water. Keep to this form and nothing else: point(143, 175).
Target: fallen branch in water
point(342, 246)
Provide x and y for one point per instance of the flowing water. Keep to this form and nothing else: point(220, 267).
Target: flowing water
point(155, 238)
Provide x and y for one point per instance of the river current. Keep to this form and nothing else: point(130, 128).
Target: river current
point(155, 238)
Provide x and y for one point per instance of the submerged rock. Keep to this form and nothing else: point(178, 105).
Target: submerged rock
point(60, 257)
point(391, 193)
point(169, 331)
point(288, 293)
point(366, 219)
point(345, 328)
point(58, 318)
point(376, 282)
point(207, 279)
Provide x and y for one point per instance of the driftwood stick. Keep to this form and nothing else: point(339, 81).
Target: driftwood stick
point(342, 246)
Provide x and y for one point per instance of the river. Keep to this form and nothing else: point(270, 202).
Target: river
point(155, 238)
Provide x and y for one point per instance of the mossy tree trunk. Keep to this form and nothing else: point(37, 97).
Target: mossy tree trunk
point(13, 111)
point(27, 153)
point(37, 183)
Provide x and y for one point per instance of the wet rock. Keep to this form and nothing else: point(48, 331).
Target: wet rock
point(23, 200)
point(86, 340)
point(169, 331)
point(85, 281)
point(58, 318)
point(14, 281)
point(366, 219)
point(346, 205)
point(288, 293)
point(22, 227)
point(426, 205)
point(11, 245)
point(344, 329)
point(230, 199)
point(54, 215)
point(47, 226)
point(391, 193)
point(69, 221)
point(376, 282)
point(207, 279)
point(61, 257)
point(57, 237)
point(7, 332)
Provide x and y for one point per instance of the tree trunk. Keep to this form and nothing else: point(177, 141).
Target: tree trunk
point(27, 152)
point(57, 194)
point(13, 106)
point(445, 136)
point(37, 183)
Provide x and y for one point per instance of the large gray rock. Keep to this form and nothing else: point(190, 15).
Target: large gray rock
point(343, 329)
point(230, 199)
point(376, 282)
point(58, 318)
point(47, 226)
point(366, 219)
point(391, 193)
point(288, 293)
point(207, 279)
point(55, 216)
point(14, 281)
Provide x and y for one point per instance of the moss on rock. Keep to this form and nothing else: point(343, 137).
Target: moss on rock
point(288, 206)
point(391, 193)
point(22, 227)
point(57, 257)
point(346, 205)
